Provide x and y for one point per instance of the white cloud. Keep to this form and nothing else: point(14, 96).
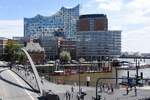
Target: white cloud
point(111, 5)
point(130, 16)
point(136, 11)
point(137, 40)
point(10, 28)
point(139, 4)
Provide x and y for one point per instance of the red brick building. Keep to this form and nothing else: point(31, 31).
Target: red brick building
point(92, 22)
point(36, 52)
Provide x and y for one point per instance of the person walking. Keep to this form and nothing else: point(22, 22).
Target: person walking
point(135, 91)
point(88, 79)
point(72, 91)
point(127, 90)
point(112, 89)
point(67, 95)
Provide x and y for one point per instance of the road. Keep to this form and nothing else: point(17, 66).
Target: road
point(12, 87)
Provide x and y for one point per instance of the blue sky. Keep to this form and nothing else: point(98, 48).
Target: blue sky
point(130, 16)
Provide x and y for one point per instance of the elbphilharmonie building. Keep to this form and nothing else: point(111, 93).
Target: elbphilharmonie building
point(64, 21)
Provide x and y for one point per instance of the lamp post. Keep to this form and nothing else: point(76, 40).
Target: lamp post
point(137, 69)
point(79, 78)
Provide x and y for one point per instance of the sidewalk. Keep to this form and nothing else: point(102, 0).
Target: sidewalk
point(119, 94)
point(59, 88)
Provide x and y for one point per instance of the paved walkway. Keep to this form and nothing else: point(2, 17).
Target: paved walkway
point(119, 94)
point(12, 87)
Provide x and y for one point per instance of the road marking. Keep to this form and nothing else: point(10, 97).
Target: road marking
point(22, 85)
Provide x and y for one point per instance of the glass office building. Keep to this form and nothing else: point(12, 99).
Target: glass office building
point(96, 45)
point(50, 45)
point(94, 40)
point(65, 20)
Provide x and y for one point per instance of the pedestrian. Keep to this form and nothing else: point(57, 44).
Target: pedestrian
point(130, 84)
point(72, 91)
point(88, 79)
point(78, 95)
point(135, 90)
point(108, 88)
point(103, 86)
point(112, 89)
point(100, 88)
point(67, 95)
point(127, 91)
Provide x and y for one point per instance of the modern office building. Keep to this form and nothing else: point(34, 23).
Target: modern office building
point(95, 41)
point(67, 45)
point(50, 45)
point(65, 20)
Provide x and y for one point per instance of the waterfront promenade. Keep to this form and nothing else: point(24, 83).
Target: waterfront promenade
point(14, 88)
point(118, 94)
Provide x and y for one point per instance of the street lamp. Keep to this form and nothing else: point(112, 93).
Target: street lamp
point(137, 68)
point(79, 78)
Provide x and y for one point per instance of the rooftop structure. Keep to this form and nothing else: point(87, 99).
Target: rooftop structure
point(34, 47)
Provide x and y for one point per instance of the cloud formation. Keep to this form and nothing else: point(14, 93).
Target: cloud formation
point(10, 28)
point(130, 16)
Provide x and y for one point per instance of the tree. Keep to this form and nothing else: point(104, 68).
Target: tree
point(11, 51)
point(65, 56)
point(22, 58)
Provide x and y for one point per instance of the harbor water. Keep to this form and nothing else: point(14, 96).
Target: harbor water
point(146, 71)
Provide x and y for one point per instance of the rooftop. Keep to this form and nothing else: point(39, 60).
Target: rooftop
point(34, 47)
point(93, 15)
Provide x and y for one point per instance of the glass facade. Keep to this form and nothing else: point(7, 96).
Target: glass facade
point(65, 19)
point(49, 43)
point(97, 44)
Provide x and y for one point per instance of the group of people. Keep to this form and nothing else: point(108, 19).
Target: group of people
point(69, 95)
point(107, 88)
point(128, 90)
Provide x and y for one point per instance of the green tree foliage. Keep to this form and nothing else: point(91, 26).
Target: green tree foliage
point(11, 51)
point(65, 56)
point(22, 58)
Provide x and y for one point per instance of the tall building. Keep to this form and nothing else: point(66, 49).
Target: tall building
point(50, 45)
point(94, 40)
point(65, 20)
point(93, 22)
point(67, 45)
